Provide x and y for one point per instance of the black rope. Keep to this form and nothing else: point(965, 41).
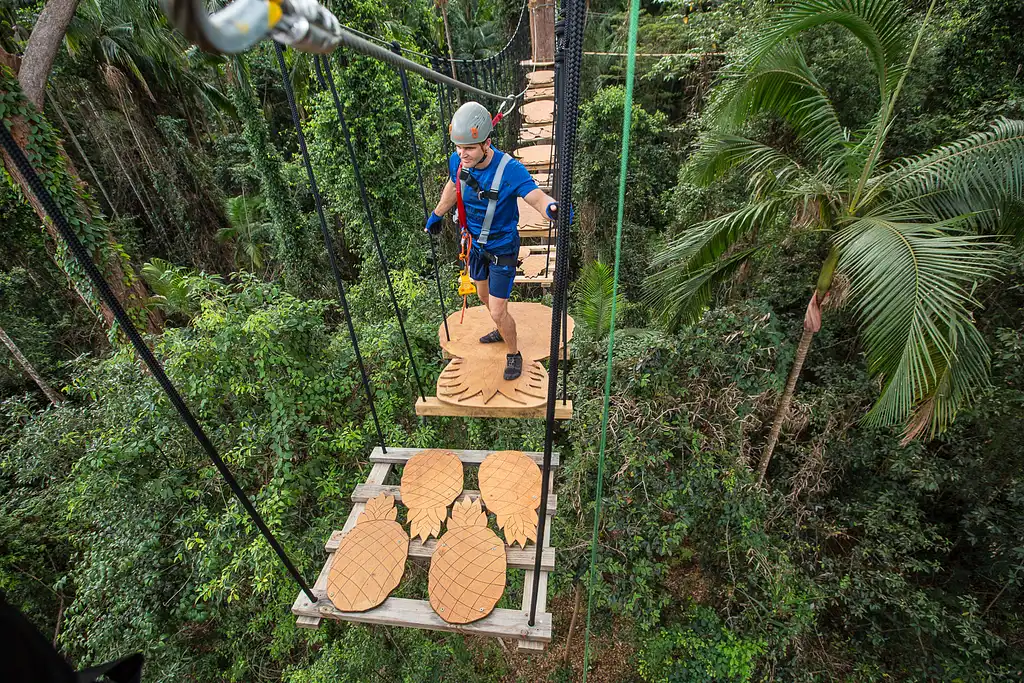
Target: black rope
point(373, 225)
point(573, 55)
point(442, 115)
point(81, 255)
point(328, 242)
point(423, 194)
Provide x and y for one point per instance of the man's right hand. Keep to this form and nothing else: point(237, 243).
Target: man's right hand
point(434, 224)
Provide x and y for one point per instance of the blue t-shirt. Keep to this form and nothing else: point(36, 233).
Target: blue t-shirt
point(516, 182)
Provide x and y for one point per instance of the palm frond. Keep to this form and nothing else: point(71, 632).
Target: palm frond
point(981, 174)
point(783, 84)
point(910, 286)
point(681, 297)
point(686, 269)
point(878, 24)
point(755, 159)
point(595, 288)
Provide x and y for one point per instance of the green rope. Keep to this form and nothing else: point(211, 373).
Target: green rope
point(627, 120)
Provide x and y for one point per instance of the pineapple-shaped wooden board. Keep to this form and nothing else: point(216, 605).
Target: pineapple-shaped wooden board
point(431, 480)
point(370, 561)
point(510, 487)
point(467, 569)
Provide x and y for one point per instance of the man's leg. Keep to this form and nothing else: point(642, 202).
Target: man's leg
point(506, 324)
point(481, 291)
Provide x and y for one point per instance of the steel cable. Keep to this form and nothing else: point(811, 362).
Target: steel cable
point(106, 295)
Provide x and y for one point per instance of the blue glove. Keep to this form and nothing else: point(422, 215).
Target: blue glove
point(434, 224)
point(552, 212)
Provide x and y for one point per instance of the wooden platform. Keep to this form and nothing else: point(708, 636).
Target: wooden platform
point(539, 112)
point(536, 157)
point(413, 613)
point(540, 93)
point(532, 270)
point(540, 78)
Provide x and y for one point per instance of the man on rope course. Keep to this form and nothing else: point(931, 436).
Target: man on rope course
point(485, 184)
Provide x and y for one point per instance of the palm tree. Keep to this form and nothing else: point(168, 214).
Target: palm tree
point(249, 224)
point(913, 237)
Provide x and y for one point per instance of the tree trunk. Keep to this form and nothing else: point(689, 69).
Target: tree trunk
point(812, 323)
point(443, 4)
point(33, 133)
point(54, 397)
point(784, 402)
point(43, 44)
point(81, 153)
point(572, 623)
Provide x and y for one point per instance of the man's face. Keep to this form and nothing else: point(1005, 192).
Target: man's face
point(471, 155)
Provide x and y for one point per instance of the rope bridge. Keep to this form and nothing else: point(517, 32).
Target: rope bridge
point(551, 130)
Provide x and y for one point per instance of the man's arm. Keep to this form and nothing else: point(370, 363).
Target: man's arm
point(447, 200)
point(540, 200)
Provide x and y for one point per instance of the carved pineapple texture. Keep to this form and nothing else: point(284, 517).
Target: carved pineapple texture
point(510, 486)
point(467, 569)
point(432, 479)
point(370, 561)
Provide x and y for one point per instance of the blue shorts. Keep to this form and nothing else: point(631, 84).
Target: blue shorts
point(499, 278)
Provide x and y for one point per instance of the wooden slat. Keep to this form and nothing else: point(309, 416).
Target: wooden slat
point(517, 558)
point(431, 407)
point(501, 623)
point(364, 492)
point(448, 356)
point(542, 585)
point(378, 473)
point(530, 231)
point(399, 456)
point(542, 281)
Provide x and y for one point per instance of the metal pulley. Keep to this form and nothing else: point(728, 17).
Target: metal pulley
point(304, 25)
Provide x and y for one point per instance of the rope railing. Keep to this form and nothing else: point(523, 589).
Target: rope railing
point(328, 240)
point(128, 328)
point(568, 57)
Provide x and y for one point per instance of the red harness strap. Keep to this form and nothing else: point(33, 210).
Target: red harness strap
point(465, 239)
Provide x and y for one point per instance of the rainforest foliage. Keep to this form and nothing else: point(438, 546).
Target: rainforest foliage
point(771, 163)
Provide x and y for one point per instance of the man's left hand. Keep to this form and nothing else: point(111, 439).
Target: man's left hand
point(552, 212)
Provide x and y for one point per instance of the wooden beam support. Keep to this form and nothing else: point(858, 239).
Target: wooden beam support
point(517, 558)
point(501, 623)
point(431, 407)
point(400, 456)
point(364, 492)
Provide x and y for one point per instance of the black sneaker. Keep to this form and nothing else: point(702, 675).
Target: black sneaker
point(491, 337)
point(513, 365)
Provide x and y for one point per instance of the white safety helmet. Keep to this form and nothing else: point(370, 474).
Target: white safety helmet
point(471, 124)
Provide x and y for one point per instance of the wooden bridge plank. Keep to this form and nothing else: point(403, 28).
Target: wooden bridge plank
point(432, 407)
point(364, 492)
point(408, 613)
point(399, 456)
